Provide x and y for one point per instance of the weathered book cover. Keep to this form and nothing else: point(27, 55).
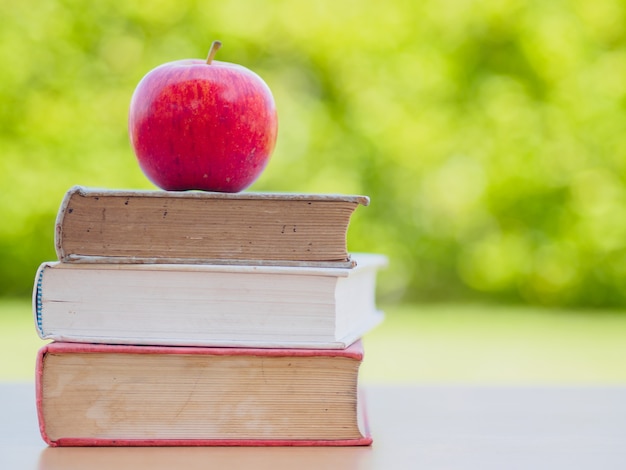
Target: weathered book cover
point(104, 395)
point(134, 226)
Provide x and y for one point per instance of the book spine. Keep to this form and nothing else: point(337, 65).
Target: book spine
point(37, 300)
point(39, 395)
point(58, 224)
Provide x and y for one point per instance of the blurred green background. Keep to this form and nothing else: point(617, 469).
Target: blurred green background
point(489, 136)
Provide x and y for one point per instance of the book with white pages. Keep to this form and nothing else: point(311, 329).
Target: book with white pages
point(208, 305)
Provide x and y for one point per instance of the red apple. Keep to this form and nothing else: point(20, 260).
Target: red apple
point(202, 124)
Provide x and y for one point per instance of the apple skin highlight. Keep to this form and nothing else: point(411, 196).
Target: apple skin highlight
point(202, 125)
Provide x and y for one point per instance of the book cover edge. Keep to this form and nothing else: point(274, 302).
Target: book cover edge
point(358, 261)
point(354, 351)
point(213, 268)
point(76, 258)
point(78, 442)
point(85, 191)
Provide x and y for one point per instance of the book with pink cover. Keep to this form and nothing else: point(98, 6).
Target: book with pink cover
point(123, 395)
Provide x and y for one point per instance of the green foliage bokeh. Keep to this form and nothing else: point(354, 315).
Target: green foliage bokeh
point(488, 134)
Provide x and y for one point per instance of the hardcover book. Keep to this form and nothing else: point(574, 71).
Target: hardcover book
point(131, 226)
point(207, 305)
point(103, 395)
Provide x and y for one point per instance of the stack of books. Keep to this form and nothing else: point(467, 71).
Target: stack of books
point(194, 318)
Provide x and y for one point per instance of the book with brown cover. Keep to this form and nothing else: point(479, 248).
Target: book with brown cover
point(142, 226)
point(104, 395)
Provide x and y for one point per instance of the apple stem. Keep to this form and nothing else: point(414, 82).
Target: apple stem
point(214, 48)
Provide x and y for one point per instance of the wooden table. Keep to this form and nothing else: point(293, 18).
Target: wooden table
point(414, 427)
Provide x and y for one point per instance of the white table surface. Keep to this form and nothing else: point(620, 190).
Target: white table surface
point(414, 427)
